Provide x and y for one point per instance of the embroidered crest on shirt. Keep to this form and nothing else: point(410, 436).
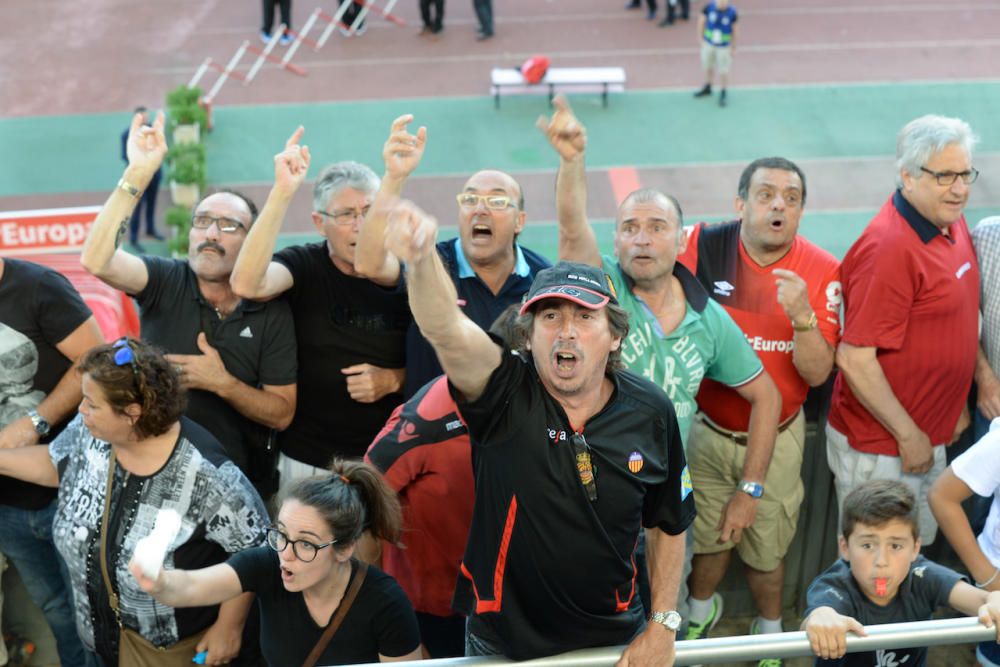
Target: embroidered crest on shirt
point(635, 462)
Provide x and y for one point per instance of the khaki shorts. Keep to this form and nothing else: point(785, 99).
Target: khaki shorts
point(716, 464)
point(717, 58)
point(851, 467)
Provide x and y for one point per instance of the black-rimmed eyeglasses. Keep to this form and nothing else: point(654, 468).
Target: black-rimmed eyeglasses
point(227, 225)
point(304, 550)
point(949, 177)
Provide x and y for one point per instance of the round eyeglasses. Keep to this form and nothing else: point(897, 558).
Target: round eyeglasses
point(304, 550)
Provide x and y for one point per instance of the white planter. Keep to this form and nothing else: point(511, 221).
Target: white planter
point(187, 134)
point(184, 194)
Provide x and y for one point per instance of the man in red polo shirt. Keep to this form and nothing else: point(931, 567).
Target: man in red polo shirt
point(784, 293)
point(911, 302)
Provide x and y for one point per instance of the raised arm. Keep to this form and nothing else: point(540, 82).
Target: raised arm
point(577, 242)
point(466, 352)
point(402, 153)
point(102, 255)
point(254, 275)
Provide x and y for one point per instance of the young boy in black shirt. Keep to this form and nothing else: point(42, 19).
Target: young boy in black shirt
point(882, 578)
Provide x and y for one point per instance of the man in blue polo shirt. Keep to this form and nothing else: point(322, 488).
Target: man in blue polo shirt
point(489, 269)
point(717, 28)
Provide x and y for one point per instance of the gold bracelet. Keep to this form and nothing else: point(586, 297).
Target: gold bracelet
point(808, 326)
point(128, 187)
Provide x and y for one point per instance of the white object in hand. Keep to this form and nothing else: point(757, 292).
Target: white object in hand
point(151, 550)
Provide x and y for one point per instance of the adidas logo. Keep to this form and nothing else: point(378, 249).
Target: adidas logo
point(246, 333)
point(723, 288)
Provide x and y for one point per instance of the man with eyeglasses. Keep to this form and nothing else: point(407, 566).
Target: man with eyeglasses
point(572, 458)
point(236, 357)
point(489, 268)
point(351, 332)
point(911, 315)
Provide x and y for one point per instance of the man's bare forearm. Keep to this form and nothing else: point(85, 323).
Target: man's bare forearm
point(812, 356)
point(577, 241)
point(248, 276)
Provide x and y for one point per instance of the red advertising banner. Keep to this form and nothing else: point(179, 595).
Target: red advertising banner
point(45, 230)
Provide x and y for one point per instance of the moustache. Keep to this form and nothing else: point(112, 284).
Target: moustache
point(214, 246)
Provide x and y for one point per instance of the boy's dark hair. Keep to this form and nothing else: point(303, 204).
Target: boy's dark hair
point(877, 502)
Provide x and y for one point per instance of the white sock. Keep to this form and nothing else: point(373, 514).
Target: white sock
point(700, 610)
point(767, 626)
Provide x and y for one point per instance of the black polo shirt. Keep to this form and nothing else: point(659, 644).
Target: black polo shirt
point(256, 342)
point(340, 321)
point(547, 570)
point(476, 299)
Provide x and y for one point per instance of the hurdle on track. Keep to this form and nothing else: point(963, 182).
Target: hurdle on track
point(298, 38)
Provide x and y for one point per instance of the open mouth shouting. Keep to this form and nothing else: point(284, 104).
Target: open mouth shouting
point(566, 362)
point(481, 233)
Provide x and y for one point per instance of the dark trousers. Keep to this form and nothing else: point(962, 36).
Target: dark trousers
point(145, 208)
point(484, 10)
point(432, 19)
point(286, 14)
point(351, 13)
point(649, 3)
point(673, 5)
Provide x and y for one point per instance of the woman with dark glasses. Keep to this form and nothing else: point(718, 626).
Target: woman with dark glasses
point(316, 600)
point(128, 454)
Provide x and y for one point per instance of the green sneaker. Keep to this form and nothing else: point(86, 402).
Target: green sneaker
point(765, 662)
point(701, 630)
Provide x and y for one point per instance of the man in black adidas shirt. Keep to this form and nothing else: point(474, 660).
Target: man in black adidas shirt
point(237, 357)
point(571, 458)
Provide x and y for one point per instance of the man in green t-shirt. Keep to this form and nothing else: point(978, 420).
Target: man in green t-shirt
point(678, 335)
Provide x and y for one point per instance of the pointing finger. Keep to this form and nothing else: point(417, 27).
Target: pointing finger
point(401, 122)
point(296, 137)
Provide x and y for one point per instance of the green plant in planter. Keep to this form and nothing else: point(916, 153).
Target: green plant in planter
point(182, 96)
point(188, 169)
point(186, 152)
point(183, 107)
point(178, 217)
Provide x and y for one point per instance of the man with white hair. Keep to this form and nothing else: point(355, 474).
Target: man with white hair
point(350, 332)
point(911, 302)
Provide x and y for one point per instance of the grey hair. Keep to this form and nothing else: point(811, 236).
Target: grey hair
point(340, 176)
point(647, 195)
point(922, 137)
point(617, 324)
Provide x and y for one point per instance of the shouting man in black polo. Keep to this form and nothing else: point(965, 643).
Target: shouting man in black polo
point(572, 457)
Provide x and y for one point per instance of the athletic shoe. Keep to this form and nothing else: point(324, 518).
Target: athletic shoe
point(764, 662)
point(667, 21)
point(265, 36)
point(483, 36)
point(360, 30)
point(701, 630)
point(285, 39)
point(704, 91)
point(722, 98)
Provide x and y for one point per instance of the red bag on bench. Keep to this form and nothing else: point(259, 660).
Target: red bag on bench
point(534, 68)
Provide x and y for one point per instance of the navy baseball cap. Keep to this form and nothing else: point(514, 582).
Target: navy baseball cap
point(582, 284)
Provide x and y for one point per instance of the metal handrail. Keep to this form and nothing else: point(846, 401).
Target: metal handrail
point(716, 650)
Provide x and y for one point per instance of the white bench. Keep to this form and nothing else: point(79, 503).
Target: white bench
point(579, 79)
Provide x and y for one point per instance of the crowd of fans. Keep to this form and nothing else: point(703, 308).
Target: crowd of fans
point(382, 446)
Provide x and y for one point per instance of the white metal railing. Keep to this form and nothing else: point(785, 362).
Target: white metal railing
point(754, 647)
